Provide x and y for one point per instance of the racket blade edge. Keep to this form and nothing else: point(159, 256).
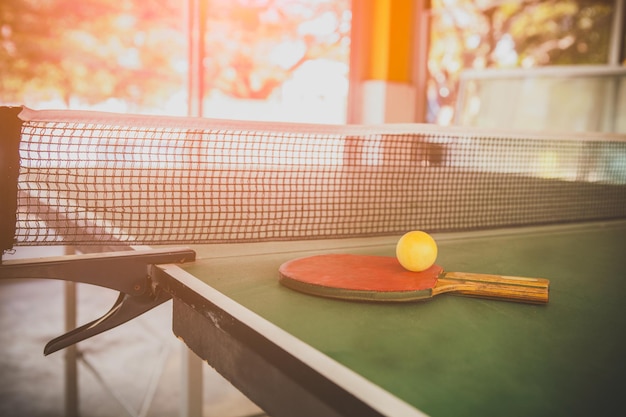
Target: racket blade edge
point(352, 294)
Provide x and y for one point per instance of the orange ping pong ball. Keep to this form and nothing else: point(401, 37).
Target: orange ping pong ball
point(416, 251)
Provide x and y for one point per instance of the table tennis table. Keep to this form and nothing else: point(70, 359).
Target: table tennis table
point(296, 354)
point(248, 197)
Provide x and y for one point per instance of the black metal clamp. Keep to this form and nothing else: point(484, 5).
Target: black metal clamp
point(127, 272)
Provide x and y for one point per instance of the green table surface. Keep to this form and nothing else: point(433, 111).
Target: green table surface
point(460, 356)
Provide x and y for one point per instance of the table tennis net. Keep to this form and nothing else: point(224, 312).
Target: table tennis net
point(97, 178)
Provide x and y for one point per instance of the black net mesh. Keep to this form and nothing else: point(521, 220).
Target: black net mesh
point(94, 178)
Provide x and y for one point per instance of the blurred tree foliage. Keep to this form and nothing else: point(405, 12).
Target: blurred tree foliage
point(90, 51)
point(522, 33)
point(554, 32)
point(136, 50)
point(252, 47)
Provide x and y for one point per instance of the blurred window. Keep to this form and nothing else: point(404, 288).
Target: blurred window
point(493, 34)
point(263, 59)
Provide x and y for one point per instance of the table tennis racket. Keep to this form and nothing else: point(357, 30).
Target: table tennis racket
point(382, 278)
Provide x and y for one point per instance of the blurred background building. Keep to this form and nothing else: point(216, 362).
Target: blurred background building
point(330, 61)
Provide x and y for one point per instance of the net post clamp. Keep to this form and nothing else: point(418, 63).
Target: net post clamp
point(128, 272)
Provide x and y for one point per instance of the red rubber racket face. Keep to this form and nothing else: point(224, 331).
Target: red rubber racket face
point(358, 277)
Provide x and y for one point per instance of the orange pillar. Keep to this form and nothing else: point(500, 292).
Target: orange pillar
point(385, 45)
point(389, 40)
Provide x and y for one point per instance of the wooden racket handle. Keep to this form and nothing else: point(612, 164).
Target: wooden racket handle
point(528, 290)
